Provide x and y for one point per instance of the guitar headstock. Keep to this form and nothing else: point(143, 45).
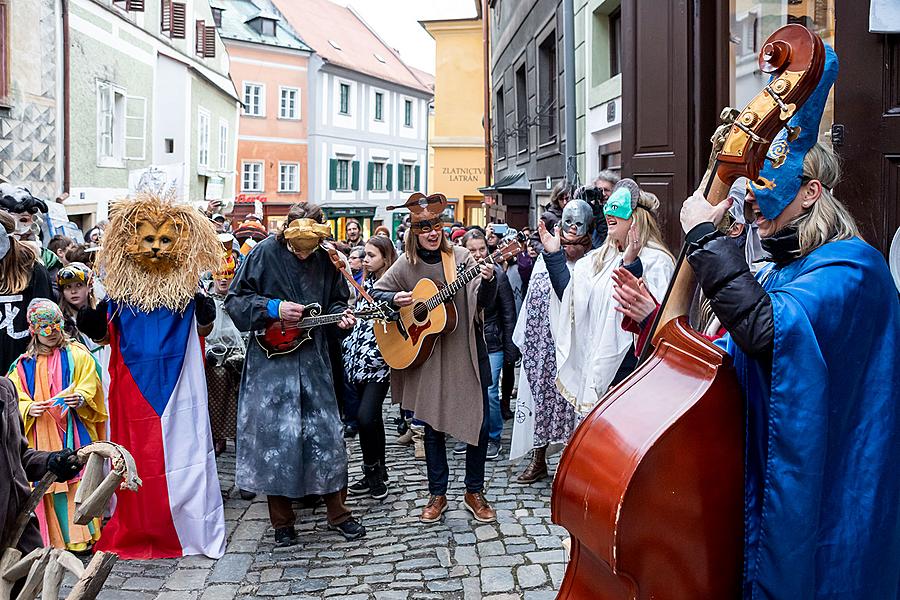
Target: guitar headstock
point(794, 57)
point(509, 247)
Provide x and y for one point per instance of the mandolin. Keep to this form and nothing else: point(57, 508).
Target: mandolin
point(651, 483)
point(280, 337)
point(409, 340)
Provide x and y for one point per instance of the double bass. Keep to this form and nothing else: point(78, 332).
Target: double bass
point(650, 486)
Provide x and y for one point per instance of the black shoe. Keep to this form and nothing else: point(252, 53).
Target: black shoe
point(245, 495)
point(360, 487)
point(350, 431)
point(351, 529)
point(285, 537)
point(402, 427)
point(493, 449)
point(460, 448)
point(376, 477)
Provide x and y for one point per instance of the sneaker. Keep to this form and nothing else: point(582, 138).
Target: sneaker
point(360, 487)
point(376, 480)
point(406, 439)
point(285, 537)
point(350, 431)
point(351, 529)
point(247, 495)
point(479, 507)
point(460, 448)
point(493, 449)
point(436, 507)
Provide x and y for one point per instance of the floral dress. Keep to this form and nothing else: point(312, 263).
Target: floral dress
point(362, 357)
point(554, 418)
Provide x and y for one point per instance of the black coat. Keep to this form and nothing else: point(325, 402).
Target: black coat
point(19, 464)
point(500, 319)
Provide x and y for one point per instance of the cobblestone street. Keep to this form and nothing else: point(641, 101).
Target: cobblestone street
point(519, 556)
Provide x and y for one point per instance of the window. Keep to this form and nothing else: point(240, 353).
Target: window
point(173, 19)
point(205, 39)
point(289, 177)
point(345, 98)
point(110, 125)
point(521, 109)
point(406, 178)
point(217, 17)
point(343, 175)
point(379, 106)
point(407, 113)
point(615, 42)
point(4, 49)
point(376, 177)
point(252, 176)
point(289, 108)
point(223, 145)
point(500, 122)
point(203, 138)
point(254, 99)
point(548, 73)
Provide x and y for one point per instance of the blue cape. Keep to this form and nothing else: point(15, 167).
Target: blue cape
point(822, 490)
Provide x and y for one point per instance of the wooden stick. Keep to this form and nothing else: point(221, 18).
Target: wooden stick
point(70, 563)
point(53, 576)
point(94, 577)
point(97, 502)
point(19, 569)
point(90, 478)
point(9, 558)
point(35, 577)
point(13, 536)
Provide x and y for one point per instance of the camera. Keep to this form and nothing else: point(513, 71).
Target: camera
point(499, 229)
point(593, 195)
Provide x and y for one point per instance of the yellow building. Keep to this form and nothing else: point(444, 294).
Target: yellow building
point(456, 136)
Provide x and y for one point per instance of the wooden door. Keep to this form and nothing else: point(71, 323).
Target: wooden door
point(674, 85)
point(867, 115)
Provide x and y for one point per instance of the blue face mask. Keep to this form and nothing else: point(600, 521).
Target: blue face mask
point(619, 204)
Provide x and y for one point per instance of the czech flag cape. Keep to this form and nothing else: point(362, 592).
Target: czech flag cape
point(158, 410)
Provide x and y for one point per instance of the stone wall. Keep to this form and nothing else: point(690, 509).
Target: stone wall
point(29, 143)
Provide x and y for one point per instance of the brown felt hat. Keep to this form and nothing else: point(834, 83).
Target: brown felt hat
point(425, 211)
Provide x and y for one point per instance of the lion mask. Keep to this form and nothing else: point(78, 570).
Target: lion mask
point(154, 252)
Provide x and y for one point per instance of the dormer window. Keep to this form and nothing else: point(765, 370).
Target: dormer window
point(217, 17)
point(263, 25)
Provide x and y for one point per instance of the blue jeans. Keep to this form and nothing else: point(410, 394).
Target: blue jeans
point(495, 427)
point(436, 458)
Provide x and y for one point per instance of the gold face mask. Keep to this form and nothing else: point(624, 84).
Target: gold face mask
point(304, 235)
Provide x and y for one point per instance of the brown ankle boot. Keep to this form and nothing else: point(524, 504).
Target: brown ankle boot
point(536, 469)
point(436, 507)
point(479, 507)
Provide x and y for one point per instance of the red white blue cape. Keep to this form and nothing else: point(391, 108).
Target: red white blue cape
point(158, 410)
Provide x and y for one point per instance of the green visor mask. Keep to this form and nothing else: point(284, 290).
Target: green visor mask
point(619, 204)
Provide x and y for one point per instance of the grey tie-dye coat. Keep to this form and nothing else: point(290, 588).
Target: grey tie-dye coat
point(289, 435)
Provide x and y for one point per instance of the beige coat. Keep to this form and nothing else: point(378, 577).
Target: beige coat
point(445, 391)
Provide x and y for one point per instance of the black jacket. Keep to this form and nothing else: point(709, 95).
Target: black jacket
point(737, 298)
point(500, 319)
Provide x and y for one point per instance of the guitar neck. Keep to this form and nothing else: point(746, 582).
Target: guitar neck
point(449, 290)
point(308, 322)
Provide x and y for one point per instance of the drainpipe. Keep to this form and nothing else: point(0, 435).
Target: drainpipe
point(486, 40)
point(67, 176)
point(569, 49)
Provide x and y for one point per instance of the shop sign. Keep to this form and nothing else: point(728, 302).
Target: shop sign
point(463, 174)
point(250, 199)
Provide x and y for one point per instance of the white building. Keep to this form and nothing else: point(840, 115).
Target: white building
point(369, 117)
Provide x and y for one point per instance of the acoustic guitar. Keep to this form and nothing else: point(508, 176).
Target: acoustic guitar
point(280, 337)
point(409, 340)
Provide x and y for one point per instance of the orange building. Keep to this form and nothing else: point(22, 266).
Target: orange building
point(269, 66)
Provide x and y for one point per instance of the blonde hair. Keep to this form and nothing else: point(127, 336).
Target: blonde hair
point(827, 220)
point(411, 244)
point(649, 234)
point(17, 266)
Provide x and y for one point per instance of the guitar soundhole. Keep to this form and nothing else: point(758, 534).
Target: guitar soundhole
point(420, 312)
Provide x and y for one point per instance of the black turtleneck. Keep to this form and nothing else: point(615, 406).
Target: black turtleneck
point(431, 257)
point(783, 247)
point(737, 298)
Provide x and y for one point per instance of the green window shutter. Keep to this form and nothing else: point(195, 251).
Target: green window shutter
point(355, 181)
point(416, 185)
point(370, 179)
point(332, 174)
point(389, 176)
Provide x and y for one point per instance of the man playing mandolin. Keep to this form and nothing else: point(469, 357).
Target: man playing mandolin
point(448, 389)
point(289, 441)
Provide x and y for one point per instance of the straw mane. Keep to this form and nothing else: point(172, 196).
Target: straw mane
point(171, 285)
